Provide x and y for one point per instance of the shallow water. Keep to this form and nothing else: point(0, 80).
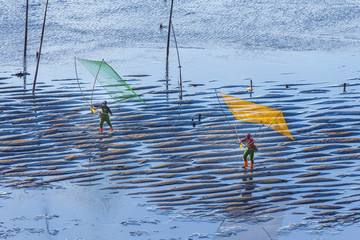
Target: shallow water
point(164, 173)
point(100, 29)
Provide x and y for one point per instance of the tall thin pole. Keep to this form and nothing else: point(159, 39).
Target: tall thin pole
point(268, 126)
point(39, 53)
point(25, 41)
point(168, 42)
point(227, 119)
point(251, 88)
point(26, 27)
point(97, 74)
point(177, 51)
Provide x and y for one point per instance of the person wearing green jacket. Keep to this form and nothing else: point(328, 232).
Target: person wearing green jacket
point(104, 115)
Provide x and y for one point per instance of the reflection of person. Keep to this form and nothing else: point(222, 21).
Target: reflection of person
point(249, 186)
point(250, 150)
point(105, 116)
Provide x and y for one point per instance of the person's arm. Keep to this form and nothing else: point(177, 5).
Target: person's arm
point(109, 110)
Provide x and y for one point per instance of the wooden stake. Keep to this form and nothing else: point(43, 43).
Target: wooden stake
point(41, 40)
point(251, 88)
point(344, 87)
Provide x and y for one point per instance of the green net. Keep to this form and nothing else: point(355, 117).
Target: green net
point(114, 85)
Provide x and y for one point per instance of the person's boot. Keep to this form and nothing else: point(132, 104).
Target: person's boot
point(101, 130)
point(251, 165)
point(245, 164)
point(111, 129)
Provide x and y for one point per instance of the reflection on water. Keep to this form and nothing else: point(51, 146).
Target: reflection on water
point(249, 186)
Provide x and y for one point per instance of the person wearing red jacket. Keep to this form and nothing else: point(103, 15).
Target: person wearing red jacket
point(250, 150)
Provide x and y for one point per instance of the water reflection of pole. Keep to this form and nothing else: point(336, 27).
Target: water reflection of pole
point(39, 53)
point(25, 40)
point(168, 46)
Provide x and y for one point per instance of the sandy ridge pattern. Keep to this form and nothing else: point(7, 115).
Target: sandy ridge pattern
point(180, 160)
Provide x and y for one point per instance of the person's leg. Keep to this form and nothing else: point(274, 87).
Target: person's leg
point(109, 123)
point(101, 124)
point(252, 159)
point(246, 154)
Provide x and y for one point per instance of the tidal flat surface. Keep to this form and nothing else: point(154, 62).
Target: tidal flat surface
point(172, 168)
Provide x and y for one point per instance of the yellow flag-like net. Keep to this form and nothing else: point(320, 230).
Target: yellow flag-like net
point(256, 113)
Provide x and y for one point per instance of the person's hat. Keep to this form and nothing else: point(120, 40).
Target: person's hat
point(104, 102)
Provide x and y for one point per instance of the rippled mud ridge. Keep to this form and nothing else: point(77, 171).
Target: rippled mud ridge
point(183, 155)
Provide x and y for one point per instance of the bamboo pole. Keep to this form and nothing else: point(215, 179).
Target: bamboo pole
point(268, 126)
point(41, 41)
point(233, 127)
point(177, 51)
point(97, 74)
point(26, 28)
point(25, 42)
point(168, 44)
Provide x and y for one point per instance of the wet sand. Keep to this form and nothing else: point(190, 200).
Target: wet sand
point(166, 162)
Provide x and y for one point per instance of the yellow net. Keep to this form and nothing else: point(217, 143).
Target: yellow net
point(256, 113)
